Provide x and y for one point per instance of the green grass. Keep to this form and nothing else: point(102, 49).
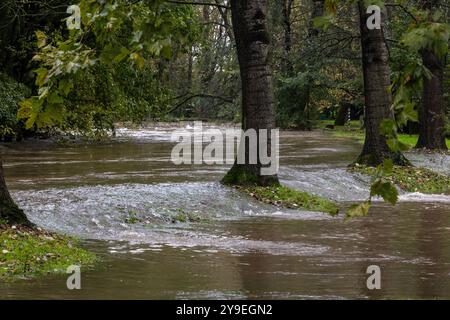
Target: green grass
point(412, 179)
point(183, 217)
point(286, 197)
point(28, 253)
point(353, 130)
point(132, 217)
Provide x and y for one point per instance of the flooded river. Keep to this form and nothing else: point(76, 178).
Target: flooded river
point(240, 248)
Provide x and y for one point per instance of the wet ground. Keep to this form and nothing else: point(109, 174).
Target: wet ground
point(241, 248)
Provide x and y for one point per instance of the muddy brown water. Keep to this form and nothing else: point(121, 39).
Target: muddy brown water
point(242, 248)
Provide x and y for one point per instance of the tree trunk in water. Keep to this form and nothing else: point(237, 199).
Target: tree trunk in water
point(252, 42)
point(9, 211)
point(378, 99)
point(432, 111)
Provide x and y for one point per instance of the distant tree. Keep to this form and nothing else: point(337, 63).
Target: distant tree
point(432, 112)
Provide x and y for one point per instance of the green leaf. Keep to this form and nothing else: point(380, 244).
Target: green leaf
point(65, 86)
point(41, 76)
point(137, 58)
point(55, 98)
point(388, 127)
point(29, 109)
point(397, 146)
point(323, 22)
point(386, 190)
point(50, 116)
point(124, 52)
point(437, 15)
point(388, 166)
point(41, 39)
point(166, 52)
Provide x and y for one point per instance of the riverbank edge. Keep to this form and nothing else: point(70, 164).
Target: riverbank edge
point(411, 179)
point(283, 196)
point(354, 131)
point(27, 253)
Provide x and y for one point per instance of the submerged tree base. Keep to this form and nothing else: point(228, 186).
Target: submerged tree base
point(10, 213)
point(286, 197)
point(412, 179)
point(374, 160)
point(29, 252)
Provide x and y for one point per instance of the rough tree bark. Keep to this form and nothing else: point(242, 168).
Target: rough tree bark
point(252, 42)
point(9, 211)
point(378, 99)
point(432, 111)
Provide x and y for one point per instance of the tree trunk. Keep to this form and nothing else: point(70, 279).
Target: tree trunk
point(342, 115)
point(9, 211)
point(287, 26)
point(252, 42)
point(190, 69)
point(378, 99)
point(432, 111)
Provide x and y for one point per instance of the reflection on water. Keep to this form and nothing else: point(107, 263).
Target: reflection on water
point(242, 248)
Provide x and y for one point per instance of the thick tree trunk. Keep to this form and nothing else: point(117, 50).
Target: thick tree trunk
point(378, 99)
point(9, 211)
point(252, 42)
point(432, 111)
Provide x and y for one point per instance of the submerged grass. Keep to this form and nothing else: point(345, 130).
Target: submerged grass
point(286, 197)
point(412, 179)
point(179, 216)
point(183, 216)
point(27, 253)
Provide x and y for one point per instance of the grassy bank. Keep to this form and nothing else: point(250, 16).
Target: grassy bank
point(27, 253)
point(283, 196)
point(412, 179)
point(353, 130)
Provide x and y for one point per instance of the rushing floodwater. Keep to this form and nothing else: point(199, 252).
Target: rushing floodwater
point(242, 248)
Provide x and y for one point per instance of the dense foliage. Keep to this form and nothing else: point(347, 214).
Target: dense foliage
point(11, 93)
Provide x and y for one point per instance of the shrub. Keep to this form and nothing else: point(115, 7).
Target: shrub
point(11, 92)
